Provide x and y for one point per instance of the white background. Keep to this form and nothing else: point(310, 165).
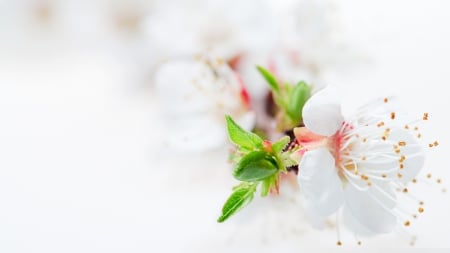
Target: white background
point(83, 167)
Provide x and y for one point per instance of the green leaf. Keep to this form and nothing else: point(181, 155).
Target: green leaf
point(297, 99)
point(238, 199)
point(255, 166)
point(269, 78)
point(278, 146)
point(241, 137)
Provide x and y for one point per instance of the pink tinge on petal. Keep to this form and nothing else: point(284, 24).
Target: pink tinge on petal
point(309, 140)
point(243, 93)
point(305, 136)
point(235, 61)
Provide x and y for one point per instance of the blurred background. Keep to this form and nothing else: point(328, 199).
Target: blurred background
point(96, 155)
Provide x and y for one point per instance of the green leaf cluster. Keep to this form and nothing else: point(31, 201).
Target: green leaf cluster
point(258, 163)
point(289, 99)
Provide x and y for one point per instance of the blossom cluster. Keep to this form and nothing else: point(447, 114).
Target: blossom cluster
point(355, 167)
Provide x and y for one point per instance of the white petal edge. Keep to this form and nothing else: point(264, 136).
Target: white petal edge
point(322, 112)
point(319, 182)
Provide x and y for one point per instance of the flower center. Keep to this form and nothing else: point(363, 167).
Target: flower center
point(341, 149)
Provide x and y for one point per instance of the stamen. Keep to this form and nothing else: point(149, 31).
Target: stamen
point(338, 231)
point(392, 115)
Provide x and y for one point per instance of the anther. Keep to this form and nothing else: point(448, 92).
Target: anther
point(420, 209)
point(425, 116)
point(407, 223)
point(392, 115)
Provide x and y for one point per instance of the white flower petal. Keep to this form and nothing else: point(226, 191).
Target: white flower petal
point(370, 210)
point(412, 167)
point(319, 181)
point(315, 220)
point(354, 225)
point(384, 191)
point(322, 112)
point(413, 152)
point(246, 120)
point(196, 133)
point(379, 107)
point(180, 86)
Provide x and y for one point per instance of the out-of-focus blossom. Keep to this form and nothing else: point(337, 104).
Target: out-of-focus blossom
point(195, 94)
point(221, 28)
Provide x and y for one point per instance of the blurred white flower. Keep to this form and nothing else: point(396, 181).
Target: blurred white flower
point(195, 95)
point(357, 162)
point(222, 28)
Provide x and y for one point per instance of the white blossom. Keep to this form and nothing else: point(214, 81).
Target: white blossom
point(357, 163)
